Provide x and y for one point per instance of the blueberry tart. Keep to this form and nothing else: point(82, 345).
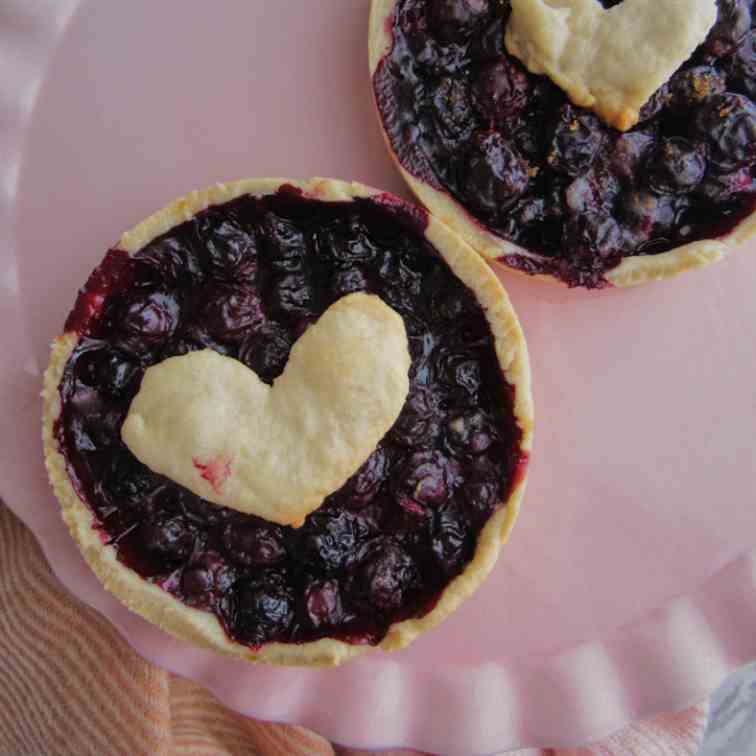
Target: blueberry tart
point(595, 142)
point(290, 421)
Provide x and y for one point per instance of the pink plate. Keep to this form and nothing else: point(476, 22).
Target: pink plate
point(630, 584)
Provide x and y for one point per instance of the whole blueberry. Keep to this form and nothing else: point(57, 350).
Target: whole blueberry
point(494, 176)
point(733, 23)
point(727, 124)
point(691, 87)
point(500, 90)
point(677, 167)
point(385, 578)
point(577, 138)
point(266, 351)
point(453, 20)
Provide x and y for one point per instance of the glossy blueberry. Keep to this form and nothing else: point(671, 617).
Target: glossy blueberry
point(453, 20)
point(691, 87)
point(677, 167)
point(469, 433)
point(171, 540)
point(230, 250)
point(452, 111)
point(330, 538)
point(578, 136)
point(450, 538)
point(229, 311)
point(363, 486)
point(252, 543)
point(323, 602)
point(500, 90)
point(718, 188)
point(290, 297)
point(494, 175)
point(266, 350)
point(743, 66)
point(283, 244)
point(425, 477)
point(727, 124)
point(262, 610)
point(385, 578)
point(149, 316)
point(733, 23)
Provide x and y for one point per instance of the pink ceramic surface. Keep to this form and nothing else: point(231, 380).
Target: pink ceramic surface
point(630, 584)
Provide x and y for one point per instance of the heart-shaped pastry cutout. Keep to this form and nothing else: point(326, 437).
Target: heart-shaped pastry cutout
point(609, 60)
point(209, 423)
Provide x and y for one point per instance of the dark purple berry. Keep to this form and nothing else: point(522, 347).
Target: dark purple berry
point(197, 581)
point(594, 235)
point(733, 23)
point(263, 610)
point(204, 577)
point(489, 44)
point(482, 489)
point(418, 421)
point(493, 175)
point(230, 250)
point(469, 433)
point(727, 123)
point(283, 243)
point(463, 371)
point(691, 87)
point(592, 192)
point(452, 111)
point(577, 138)
point(331, 538)
point(657, 102)
point(345, 242)
point(628, 154)
point(323, 603)
point(266, 351)
point(385, 579)
point(253, 544)
point(453, 20)
point(291, 297)
point(172, 540)
point(169, 262)
point(678, 166)
point(425, 477)
point(450, 538)
point(743, 66)
point(718, 188)
point(348, 281)
point(126, 481)
point(110, 371)
point(500, 90)
point(646, 214)
point(362, 487)
point(151, 317)
point(229, 311)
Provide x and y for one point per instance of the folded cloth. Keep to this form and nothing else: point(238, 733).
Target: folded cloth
point(71, 686)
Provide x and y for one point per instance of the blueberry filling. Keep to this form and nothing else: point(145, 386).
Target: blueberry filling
point(247, 278)
point(467, 118)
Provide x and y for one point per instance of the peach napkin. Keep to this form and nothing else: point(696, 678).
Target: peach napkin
point(70, 686)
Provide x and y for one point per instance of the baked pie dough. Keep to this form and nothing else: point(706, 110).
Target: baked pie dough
point(208, 422)
point(610, 60)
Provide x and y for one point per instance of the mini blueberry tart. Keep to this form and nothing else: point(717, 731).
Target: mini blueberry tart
point(595, 142)
point(290, 421)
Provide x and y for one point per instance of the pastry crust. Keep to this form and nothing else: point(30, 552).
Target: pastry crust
point(203, 628)
point(609, 60)
point(631, 271)
point(300, 439)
